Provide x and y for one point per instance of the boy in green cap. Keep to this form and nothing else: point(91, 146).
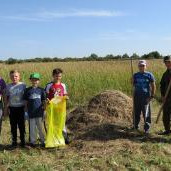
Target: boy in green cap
point(35, 105)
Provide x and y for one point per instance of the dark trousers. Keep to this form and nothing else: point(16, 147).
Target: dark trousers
point(1, 112)
point(0, 122)
point(141, 105)
point(166, 115)
point(17, 119)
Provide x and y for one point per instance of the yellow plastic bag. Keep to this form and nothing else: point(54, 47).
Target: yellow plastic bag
point(56, 116)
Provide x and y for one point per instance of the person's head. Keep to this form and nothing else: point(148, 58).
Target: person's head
point(167, 61)
point(142, 65)
point(35, 79)
point(57, 74)
point(14, 76)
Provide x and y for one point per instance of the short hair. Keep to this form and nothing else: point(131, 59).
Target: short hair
point(57, 71)
point(14, 71)
point(167, 58)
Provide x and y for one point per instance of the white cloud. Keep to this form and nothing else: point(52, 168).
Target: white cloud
point(52, 15)
point(22, 18)
point(81, 13)
point(129, 34)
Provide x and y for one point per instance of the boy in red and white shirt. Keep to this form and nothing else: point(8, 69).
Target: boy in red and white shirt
point(57, 88)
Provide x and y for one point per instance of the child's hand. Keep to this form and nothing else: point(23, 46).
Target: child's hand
point(47, 101)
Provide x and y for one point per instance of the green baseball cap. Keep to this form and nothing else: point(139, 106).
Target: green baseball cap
point(35, 75)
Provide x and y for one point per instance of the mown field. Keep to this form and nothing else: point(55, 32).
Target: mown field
point(84, 80)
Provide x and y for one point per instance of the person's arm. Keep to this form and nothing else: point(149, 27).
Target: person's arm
point(44, 105)
point(47, 93)
point(6, 102)
point(3, 88)
point(25, 97)
point(162, 85)
point(152, 86)
point(26, 106)
point(43, 99)
point(153, 89)
point(44, 102)
point(65, 92)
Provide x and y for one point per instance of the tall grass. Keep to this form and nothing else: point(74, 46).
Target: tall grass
point(85, 79)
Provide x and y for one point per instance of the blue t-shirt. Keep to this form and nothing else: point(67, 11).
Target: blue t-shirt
point(142, 83)
point(34, 98)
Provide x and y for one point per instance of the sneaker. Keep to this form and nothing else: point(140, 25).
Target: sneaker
point(164, 133)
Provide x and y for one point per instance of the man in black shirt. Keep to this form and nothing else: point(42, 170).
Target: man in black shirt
point(163, 88)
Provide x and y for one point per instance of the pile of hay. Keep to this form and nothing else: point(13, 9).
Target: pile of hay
point(108, 107)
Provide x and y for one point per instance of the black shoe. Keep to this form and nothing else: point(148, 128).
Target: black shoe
point(67, 141)
point(32, 145)
point(22, 144)
point(42, 145)
point(14, 144)
point(164, 133)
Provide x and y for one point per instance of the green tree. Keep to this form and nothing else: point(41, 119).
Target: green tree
point(11, 61)
point(110, 56)
point(125, 56)
point(135, 56)
point(93, 56)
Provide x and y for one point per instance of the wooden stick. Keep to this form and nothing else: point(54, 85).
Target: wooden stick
point(133, 112)
point(165, 97)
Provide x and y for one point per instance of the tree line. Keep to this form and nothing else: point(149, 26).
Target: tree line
point(92, 57)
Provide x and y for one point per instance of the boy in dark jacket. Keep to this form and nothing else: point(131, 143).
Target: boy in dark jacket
point(35, 104)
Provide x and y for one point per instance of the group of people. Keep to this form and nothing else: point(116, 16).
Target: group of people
point(19, 101)
point(144, 91)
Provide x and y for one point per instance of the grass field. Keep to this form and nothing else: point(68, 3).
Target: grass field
point(84, 80)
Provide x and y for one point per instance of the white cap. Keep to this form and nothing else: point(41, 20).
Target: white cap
point(142, 62)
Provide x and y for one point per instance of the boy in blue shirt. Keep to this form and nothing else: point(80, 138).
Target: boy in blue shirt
point(144, 90)
point(35, 105)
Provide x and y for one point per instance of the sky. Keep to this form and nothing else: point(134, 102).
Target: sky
point(77, 28)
